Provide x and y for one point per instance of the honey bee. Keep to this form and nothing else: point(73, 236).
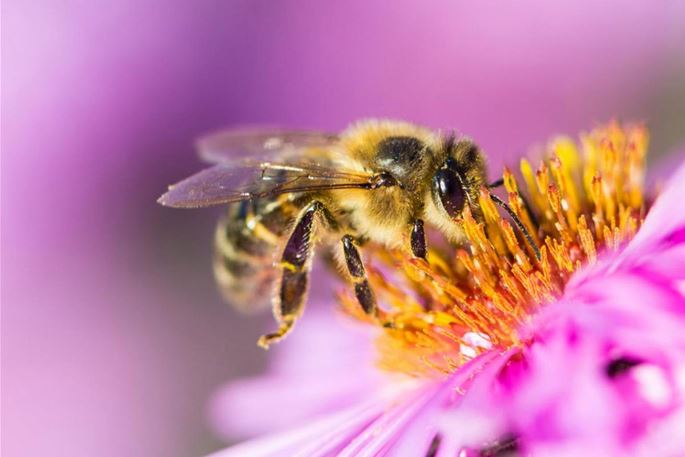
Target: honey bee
point(378, 181)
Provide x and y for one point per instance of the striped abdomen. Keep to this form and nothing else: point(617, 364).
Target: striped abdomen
point(246, 243)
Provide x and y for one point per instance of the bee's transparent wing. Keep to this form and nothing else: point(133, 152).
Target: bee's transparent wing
point(259, 144)
point(261, 163)
point(230, 182)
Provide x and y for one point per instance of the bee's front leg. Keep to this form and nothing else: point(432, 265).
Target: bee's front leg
point(355, 267)
point(296, 266)
point(418, 240)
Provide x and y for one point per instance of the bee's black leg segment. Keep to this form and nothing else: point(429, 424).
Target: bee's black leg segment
point(418, 240)
point(296, 265)
point(355, 267)
point(365, 297)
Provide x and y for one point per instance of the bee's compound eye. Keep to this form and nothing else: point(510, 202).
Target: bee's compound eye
point(448, 188)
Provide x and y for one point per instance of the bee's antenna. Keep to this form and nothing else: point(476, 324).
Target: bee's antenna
point(498, 183)
point(519, 224)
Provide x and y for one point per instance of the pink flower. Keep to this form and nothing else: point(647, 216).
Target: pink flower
point(597, 368)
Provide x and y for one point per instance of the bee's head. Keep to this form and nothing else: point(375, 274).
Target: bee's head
point(458, 179)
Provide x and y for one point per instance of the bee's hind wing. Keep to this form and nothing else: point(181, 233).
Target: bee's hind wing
point(260, 144)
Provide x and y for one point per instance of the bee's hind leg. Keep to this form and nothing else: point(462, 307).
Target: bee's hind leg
point(296, 265)
point(355, 267)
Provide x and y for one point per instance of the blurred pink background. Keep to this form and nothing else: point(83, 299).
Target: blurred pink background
point(113, 336)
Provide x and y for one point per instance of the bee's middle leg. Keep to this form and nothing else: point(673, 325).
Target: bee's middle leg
point(355, 267)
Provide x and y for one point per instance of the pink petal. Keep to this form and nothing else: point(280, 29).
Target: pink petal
point(665, 223)
point(409, 426)
point(337, 429)
point(627, 305)
point(310, 377)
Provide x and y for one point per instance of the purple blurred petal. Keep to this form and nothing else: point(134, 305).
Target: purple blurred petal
point(310, 376)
